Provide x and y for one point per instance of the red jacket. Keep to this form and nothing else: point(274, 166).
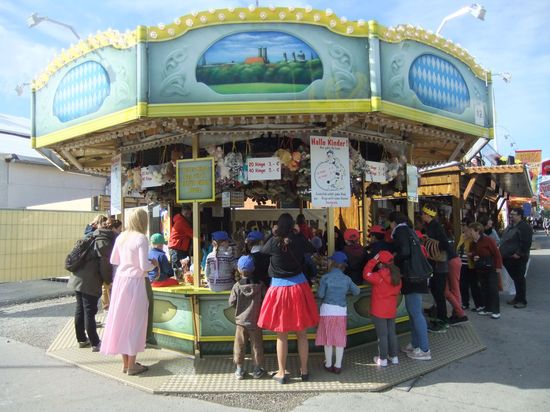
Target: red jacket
point(383, 302)
point(306, 231)
point(181, 234)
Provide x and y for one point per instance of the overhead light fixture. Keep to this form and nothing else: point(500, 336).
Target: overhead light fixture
point(34, 20)
point(476, 10)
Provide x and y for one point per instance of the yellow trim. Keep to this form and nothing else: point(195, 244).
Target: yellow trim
point(213, 17)
point(142, 109)
point(404, 112)
point(178, 335)
point(260, 108)
point(376, 103)
point(33, 142)
point(89, 126)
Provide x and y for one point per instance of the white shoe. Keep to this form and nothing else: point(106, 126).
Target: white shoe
point(380, 362)
point(394, 360)
point(484, 313)
point(419, 354)
point(407, 349)
point(495, 316)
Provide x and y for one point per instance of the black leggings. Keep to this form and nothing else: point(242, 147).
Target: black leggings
point(437, 287)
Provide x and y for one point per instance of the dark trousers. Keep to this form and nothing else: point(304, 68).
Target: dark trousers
point(84, 318)
point(437, 287)
point(149, 291)
point(516, 269)
point(469, 282)
point(387, 339)
point(489, 290)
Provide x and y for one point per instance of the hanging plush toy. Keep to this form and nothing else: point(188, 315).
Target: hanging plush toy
point(234, 162)
point(136, 171)
point(168, 172)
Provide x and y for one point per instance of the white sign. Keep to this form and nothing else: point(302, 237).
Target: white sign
point(264, 168)
point(116, 185)
point(151, 176)
point(376, 172)
point(330, 184)
point(412, 183)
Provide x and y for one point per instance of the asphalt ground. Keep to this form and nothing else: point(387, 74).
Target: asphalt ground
point(513, 374)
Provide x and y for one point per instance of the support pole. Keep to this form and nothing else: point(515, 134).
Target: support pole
point(410, 205)
point(330, 230)
point(196, 224)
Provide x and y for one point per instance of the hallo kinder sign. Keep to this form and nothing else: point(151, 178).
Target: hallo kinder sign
point(330, 185)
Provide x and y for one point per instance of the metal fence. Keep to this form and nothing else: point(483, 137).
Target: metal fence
point(34, 243)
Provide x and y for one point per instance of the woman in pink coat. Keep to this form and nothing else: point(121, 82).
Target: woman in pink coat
point(126, 327)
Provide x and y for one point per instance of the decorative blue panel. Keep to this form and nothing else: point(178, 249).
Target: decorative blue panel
point(439, 84)
point(81, 91)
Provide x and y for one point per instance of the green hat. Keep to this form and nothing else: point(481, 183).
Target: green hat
point(157, 239)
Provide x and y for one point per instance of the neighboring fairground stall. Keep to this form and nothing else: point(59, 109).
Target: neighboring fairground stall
point(473, 190)
point(186, 111)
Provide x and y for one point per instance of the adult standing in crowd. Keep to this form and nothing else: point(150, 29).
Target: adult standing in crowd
point(408, 255)
point(126, 328)
point(487, 262)
point(94, 224)
point(356, 254)
point(181, 236)
point(304, 228)
point(289, 305)
point(87, 282)
point(488, 228)
point(515, 246)
point(469, 281)
point(436, 235)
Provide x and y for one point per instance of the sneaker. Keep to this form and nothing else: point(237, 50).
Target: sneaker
point(458, 320)
point(511, 301)
point(419, 354)
point(96, 348)
point(84, 344)
point(478, 309)
point(239, 374)
point(258, 373)
point(464, 307)
point(495, 316)
point(394, 360)
point(484, 313)
point(408, 349)
point(435, 327)
point(520, 305)
point(380, 362)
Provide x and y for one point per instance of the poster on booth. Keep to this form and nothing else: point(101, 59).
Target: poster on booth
point(116, 185)
point(330, 185)
point(544, 192)
point(264, 168)
point(412, 183)
point(376, 172)
point(195, 180)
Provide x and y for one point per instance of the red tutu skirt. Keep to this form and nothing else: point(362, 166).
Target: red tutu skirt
point(289, 308)
point(332, 331)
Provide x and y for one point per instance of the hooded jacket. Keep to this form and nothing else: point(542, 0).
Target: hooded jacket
point(384, 294)
point(247, 299)
point(97, 268)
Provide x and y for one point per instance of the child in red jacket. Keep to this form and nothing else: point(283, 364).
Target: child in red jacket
point(385, 281)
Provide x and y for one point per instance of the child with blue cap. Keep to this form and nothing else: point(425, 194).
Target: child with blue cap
point(333, 288)
point(246, 296)
point(221, 263)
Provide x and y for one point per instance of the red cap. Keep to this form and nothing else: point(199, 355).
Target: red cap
point(351, 234)
point(419, 234)
point(385, 257)
point(377, 229)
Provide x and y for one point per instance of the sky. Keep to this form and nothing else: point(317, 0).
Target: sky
point(513, 38)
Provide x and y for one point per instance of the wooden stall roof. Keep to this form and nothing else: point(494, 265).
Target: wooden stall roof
point(513, 179)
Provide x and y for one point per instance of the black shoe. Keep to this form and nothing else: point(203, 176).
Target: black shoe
point(436, 327)
point(458, 320)
point(280, 381)
point(305, 377)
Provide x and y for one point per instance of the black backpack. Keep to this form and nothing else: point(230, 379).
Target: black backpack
point(78, 255)
point(416, 268)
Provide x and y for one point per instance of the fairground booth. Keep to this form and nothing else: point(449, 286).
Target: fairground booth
point(287, 108)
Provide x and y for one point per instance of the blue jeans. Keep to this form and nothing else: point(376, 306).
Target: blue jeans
point(419, 327)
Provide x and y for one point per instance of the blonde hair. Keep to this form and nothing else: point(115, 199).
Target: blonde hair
point(99, 220)
point(137, 221)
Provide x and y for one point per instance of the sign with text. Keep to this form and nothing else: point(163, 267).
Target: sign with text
point(195, 180)
point(264, 168)
point(376, 172)
point(330, 185)
point(116, 185)
point(412, 183)
point(151, 176)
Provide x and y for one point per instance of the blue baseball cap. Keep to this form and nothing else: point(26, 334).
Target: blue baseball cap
point(246, 262)
point(255, 235)
point(317, 242)
point(220, 236)
point(339, 257)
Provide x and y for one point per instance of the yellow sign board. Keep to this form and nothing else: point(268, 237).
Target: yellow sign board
point(195, 180)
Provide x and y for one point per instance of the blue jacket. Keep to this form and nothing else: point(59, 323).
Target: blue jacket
point(334, 286)
point(166, 270)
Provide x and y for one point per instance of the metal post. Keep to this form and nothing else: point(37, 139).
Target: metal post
point(196, 224)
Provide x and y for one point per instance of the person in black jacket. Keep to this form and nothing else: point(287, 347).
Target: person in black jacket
point(419, 347)
point(515, 246)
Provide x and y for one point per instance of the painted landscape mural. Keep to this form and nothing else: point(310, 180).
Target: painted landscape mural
point(259, 62)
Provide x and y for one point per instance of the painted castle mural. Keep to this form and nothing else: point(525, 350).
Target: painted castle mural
point(259, 62)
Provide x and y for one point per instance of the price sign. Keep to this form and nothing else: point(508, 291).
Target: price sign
point(264, 168)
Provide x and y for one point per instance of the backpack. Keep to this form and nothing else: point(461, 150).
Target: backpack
point(77, 256)
point(416, 268)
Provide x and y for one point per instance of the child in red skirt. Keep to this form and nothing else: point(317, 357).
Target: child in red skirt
point(385, 281)
point(333, 288)
point(289, 304)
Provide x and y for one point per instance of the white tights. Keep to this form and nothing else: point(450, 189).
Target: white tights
point(339, 356)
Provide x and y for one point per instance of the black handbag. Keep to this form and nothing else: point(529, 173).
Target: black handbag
point(484, 263)
point(416, 268)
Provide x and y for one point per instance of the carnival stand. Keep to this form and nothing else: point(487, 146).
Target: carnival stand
point(175, 113)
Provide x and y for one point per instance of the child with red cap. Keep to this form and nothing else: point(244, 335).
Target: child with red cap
point(385, 280)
